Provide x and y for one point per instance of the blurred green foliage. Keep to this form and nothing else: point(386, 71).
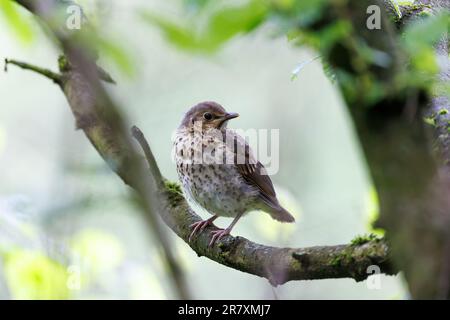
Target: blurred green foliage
point(110, 47)
point(321, 40)
point(196, 5)
point(293, 15)
point(206, 32)
point(19, 22)
point(307, 23)
point(32, 275)
point(107, 46)
point(418, 41)
point(97, 251)
point(114, 51)
point(373, 211)
point(36, 274)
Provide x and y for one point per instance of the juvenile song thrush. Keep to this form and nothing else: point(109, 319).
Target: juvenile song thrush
point(218, 170)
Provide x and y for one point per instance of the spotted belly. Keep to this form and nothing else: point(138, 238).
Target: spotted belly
point(217, 188)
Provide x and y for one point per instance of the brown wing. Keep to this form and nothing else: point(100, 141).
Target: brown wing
point(254, 175)
point(254, 172)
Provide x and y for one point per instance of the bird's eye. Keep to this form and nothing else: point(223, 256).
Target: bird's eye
point(208, 116)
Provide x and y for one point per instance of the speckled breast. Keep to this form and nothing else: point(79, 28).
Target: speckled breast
point(217, 187)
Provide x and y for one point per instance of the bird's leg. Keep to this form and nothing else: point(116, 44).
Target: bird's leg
point(200, 225)
point(218, 234)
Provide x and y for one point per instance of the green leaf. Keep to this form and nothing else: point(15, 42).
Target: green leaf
point(196, 4)
point(180, 36)
point(17, 21)
point(425, 60)
point(419, 39)
point(221, 25)
point(117, 54)
point(229, 22)
point(425, 32)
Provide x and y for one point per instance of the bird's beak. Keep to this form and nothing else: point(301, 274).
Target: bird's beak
point(230, 116)
point(224, 119)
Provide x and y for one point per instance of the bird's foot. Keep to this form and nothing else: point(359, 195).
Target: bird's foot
point(217, 235)
point(199, 226)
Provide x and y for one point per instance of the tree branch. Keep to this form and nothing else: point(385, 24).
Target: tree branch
point(278, 265)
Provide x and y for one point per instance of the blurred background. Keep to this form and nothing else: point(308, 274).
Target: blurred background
point(68, 226)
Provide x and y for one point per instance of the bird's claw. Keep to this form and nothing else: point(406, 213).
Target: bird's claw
point(198, 226)
point(217, 235)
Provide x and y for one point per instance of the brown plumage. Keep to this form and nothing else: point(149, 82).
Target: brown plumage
point(256, 176)
point(229, 188)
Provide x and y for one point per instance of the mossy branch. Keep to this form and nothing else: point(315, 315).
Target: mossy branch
point(402, 14)
point(278, 265)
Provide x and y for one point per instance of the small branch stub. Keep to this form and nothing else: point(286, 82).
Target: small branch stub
point(55, 77)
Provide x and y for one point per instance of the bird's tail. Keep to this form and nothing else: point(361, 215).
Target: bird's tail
point(281, 214)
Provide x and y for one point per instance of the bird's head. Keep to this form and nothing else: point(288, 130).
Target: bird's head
point(210, 115)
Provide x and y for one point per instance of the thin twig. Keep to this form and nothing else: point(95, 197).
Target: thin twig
point(55, 77)
point(152, 164)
